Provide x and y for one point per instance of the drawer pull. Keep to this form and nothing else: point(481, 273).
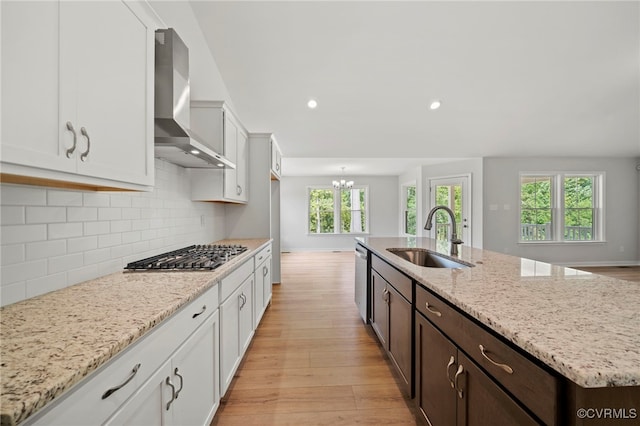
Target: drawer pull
point(505, 367)
point(455, 379)
point(173, 392)
point(204, 308)
point(116, 388)
point(177, 373)
point(433, 311)
point(452, 361)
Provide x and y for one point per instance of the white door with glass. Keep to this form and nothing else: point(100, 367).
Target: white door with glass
point(453, 192)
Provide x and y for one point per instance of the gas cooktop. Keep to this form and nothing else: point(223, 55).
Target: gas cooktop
point(194, 258)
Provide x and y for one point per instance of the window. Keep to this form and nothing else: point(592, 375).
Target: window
point(334, 211)
point(409, 208)
point(561, 207)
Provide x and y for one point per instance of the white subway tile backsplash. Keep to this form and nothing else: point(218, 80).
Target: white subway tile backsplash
point(96, 256)
point(109, 240)
point(46, 284)
point(96, 228)
point(95, 199)
point(53, 238)
point(13, 253)
point(12, 234)
point(12, 293)
point(18, 195)
point(22, 271)
point(37, 214)
point(12, 215)
point(64, 198)
point(109, 213)
point(45, 249)
point(64, 230)
point(82, 214)
point(64, 263)
point(82, 244)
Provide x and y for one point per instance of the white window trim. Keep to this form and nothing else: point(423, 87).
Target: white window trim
point(336, 211)
point(557, 194)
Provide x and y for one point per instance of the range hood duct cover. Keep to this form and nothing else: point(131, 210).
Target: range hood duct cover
point(174, 141)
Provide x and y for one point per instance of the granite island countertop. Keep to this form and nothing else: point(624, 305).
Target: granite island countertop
point(51, 342)
point(582, 325)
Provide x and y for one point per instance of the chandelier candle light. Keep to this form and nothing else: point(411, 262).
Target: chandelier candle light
point(342, 183)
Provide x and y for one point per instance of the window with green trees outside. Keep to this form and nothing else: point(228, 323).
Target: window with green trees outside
point(334, 211)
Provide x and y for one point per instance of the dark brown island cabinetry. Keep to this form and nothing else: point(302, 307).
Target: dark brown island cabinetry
point(391, 316)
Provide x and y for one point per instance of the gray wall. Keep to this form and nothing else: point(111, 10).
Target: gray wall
point(621, 212)
point(383, 210)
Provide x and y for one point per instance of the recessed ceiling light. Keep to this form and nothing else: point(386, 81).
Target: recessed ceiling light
point(195, 152)
point(435, 104)
point(220, 165)
point(313, 104)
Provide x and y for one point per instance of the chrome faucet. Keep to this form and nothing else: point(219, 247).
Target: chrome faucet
point(455, 241)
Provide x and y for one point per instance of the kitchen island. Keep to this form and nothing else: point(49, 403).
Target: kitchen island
point(582, 330)
point(51, 343)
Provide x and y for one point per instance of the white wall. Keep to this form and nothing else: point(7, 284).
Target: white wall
point(472, 166)
point(501, 227)
point(53, 238)
point(383, 210)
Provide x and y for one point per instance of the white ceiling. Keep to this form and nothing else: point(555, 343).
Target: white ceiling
point(514, 78)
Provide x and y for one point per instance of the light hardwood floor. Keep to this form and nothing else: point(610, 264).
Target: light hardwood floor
point(312, 360)
point(629, 273)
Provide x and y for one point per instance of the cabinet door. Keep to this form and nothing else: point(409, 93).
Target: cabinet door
point(229, 339)
point(266, 274)
point(435, 370)
point(106, 85)
point(483, 402)
point(148, 406)
point(379, 308)
point(33, 134)
point(400, 313)
point(231, 152)
point(195, 375)
point(246, 314)
point(259, 293)
point(242, 161)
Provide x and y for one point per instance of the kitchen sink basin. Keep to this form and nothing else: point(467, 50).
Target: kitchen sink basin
point(427, 258)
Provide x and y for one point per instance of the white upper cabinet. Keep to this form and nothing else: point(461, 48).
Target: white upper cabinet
point(276, 159)
point(214, 122)
point(77, 100)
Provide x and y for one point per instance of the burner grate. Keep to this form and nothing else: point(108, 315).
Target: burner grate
point(195, 257)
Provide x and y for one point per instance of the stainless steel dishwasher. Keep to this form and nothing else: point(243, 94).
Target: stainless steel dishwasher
point(361, 281)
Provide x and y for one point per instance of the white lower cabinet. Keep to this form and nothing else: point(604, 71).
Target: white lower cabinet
point(184, 390)
point(263, 283)
point(236, 330)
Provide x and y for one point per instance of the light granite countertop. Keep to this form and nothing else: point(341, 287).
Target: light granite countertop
point(584, 326)
point(51, 342)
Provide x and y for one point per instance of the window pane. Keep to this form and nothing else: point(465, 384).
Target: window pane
point(352, 210)
point(321, 211)
point(535, 208)
point(410, 211)
point(578, 208)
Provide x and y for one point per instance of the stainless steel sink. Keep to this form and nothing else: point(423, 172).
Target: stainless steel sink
point(427, 258)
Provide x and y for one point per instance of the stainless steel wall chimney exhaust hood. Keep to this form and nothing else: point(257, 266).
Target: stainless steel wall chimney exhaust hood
point(174, 141)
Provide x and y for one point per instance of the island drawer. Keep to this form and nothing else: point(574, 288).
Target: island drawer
point(536, 388)
point(397, 279)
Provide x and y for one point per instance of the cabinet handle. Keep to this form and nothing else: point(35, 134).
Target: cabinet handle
point(204, 308)
point(430, 309)
point(505, 367)
point(244, 300)
point(75, 139)
point(452, 361)
point(84, 155)
point(181, 381)
point(173, 392)
point(238, 189)
point(455, 379)
point(115, 388)
point(277, 166)
point(385, 295)
point(265, 271)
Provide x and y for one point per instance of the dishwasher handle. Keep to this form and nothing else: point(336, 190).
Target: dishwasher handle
point(361, 254)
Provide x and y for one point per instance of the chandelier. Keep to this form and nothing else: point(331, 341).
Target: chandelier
point(342, 183)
